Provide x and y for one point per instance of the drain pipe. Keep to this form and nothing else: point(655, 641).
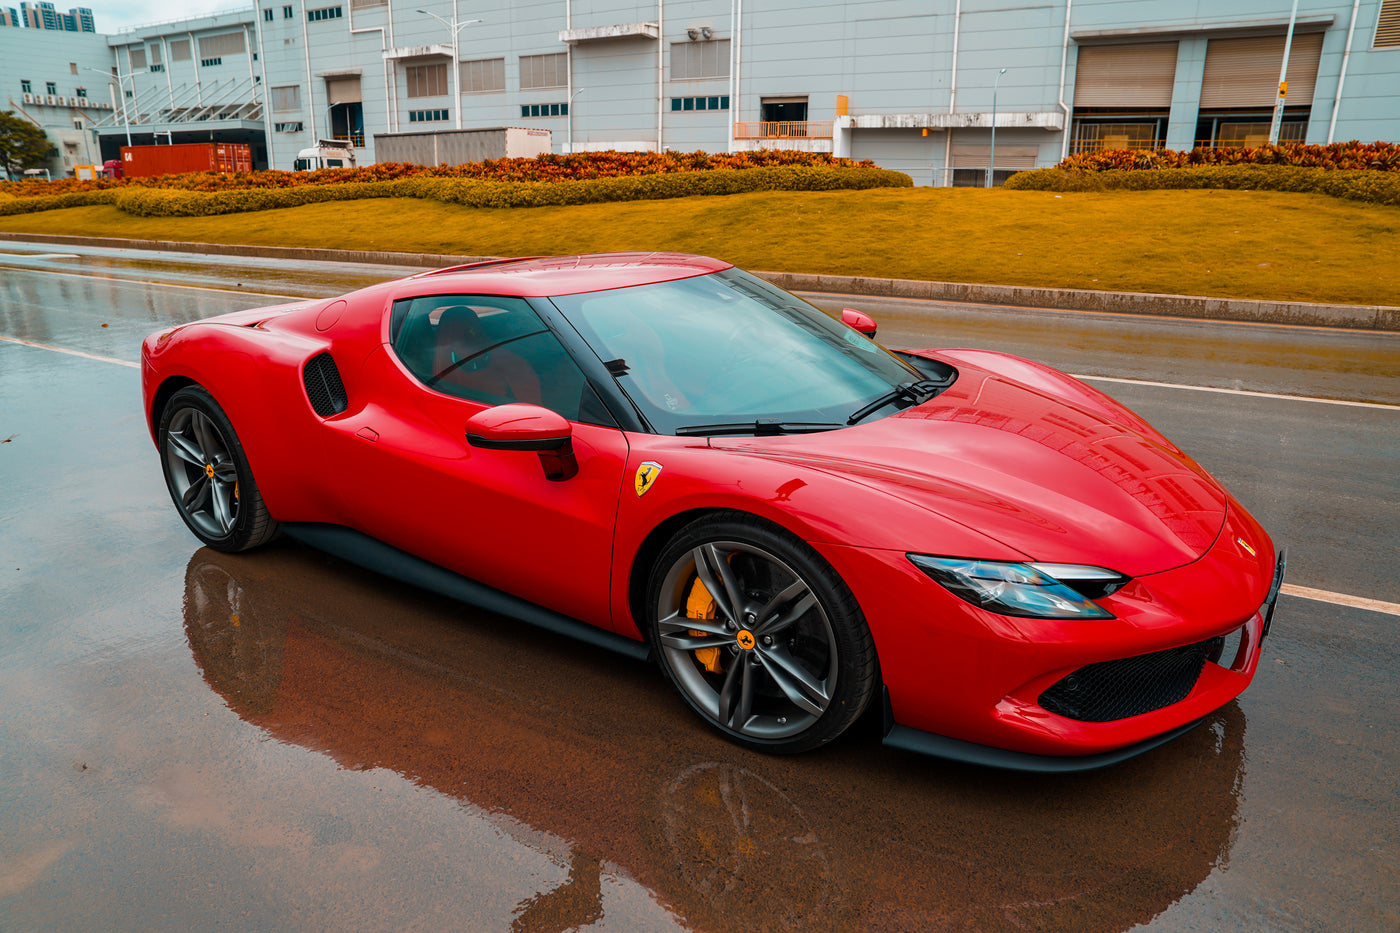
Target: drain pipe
point(1342, 78)
point(1064, 60)
point(660, 71)
point(952, 99)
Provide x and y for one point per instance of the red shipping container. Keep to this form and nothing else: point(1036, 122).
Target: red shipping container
point(139, 161)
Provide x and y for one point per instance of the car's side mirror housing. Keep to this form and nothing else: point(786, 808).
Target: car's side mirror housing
point(519, 426)
point(858, 321)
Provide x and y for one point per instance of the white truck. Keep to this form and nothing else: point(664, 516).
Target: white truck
point(327, 153)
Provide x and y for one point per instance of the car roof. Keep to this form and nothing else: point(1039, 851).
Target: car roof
point(543, 276)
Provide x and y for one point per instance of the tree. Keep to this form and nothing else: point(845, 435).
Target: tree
point(22, 145)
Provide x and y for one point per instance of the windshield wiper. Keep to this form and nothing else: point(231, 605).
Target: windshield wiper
point(916, 392)
point(763, 427)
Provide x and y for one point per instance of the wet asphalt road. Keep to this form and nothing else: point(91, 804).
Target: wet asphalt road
point(191, 741)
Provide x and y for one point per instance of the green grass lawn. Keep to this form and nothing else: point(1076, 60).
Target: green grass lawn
point(1244, 244)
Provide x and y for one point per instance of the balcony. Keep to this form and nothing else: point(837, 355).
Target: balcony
point(784, 129)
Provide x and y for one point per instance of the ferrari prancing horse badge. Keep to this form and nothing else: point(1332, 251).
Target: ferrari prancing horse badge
point(646, 476)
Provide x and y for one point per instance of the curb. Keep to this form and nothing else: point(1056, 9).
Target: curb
point(1297, 313)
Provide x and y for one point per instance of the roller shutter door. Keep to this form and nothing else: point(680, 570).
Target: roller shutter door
point(1244, 72)
point(978, 154)
point(1125, 75)
point(343, 90)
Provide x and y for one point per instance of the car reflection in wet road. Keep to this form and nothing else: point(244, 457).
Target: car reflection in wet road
point(592, 763)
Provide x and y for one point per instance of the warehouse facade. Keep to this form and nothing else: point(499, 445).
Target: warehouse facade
point(921, 86)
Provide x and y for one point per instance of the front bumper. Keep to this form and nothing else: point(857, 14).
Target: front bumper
point(966, 684)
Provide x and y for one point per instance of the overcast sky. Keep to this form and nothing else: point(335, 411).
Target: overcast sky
point(112, 15)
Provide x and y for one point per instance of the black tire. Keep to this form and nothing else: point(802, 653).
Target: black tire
point(208, 475)
point(789, 669)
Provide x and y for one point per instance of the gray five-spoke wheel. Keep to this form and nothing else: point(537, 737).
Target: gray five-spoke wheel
point(202, 472)
point(208, 474)
point(764, 663)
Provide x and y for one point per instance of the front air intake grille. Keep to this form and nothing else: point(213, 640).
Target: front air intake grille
point(323, 386)
point(1127, 687)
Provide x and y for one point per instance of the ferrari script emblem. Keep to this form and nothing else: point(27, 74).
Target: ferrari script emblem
point(646, 476)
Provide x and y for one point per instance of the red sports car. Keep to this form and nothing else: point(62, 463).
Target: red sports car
point(668, 456)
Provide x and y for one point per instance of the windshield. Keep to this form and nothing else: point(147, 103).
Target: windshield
point(728, 348)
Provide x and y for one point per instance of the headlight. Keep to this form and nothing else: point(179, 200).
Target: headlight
point(1034, 591)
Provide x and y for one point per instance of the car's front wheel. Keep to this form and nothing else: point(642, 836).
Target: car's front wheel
point(208, 475)
point(759, 634)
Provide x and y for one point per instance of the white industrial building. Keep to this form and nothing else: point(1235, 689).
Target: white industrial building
point(915, 85)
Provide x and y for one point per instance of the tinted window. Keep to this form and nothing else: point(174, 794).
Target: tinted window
point(491, 350)
point(730, 347)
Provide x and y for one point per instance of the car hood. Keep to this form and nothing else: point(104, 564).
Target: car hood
point(1055, 481)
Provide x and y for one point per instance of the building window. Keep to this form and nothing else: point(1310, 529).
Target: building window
point(287, 127)
point(428, 80)
point(210, 62)
point(52, 87)
point(544, 110)
point(154, 68)
point(1095, 130)
point(267, 15)
point(544, 70)
point(428, 116)
point(81, 92)
point(690, 60)
point(180, 50)
point(784, 109)
point(487, 74)
point(286, 99)
point(77, 124)
point(329, 12)
point(364, 4)
point(286, 12)
point(1388, 26)
point(137, 57)
point(25, 87)
point(73, 68)
point(700, 103)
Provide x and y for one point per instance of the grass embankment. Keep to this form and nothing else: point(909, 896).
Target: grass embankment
point(1242, 244)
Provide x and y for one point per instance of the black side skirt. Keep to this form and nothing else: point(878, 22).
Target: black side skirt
point(372, 554)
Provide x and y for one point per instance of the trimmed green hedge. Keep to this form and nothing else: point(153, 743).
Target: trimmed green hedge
point(165, 202)
point(55, 201)
point(1369, 186)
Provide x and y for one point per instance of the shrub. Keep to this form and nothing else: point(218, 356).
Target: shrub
point(474, 192)
point(1377, 156)
point(51, 202)
point(1376, 187)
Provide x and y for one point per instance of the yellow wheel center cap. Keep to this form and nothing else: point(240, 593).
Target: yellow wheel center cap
point(209, 470)
point(745, 639)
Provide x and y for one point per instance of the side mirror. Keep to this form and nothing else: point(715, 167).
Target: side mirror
point(858, 321)
point(519, 426)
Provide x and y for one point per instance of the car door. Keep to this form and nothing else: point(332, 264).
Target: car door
point(409, 477)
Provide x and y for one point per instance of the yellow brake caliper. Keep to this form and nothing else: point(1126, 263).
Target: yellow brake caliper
point(701, 605)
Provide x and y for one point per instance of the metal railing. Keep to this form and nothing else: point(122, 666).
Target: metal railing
point(784, 129)
point(356, 140)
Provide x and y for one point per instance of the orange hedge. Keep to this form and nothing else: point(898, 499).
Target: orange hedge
point(547, 168)
point(1377, 156)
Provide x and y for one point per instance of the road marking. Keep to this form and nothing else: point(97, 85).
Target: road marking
point(202, 288)
point(40, 255)
point(86, 356)
point(1341, 599)
point(1288, 398)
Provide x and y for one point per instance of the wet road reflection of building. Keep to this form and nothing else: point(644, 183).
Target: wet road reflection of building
point(589, 759)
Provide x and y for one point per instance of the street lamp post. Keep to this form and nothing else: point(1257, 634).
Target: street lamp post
point(1279, 101)
point(456, 28)
point(571, 117)
point(121, 91)
point(992, 160)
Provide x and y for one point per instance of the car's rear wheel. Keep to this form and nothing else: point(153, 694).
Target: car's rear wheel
point(759, 634)
point(208, 475)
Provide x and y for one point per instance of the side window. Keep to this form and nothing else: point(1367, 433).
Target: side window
point(491, 350)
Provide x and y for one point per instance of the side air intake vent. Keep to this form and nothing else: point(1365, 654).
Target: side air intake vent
point(323, 386)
